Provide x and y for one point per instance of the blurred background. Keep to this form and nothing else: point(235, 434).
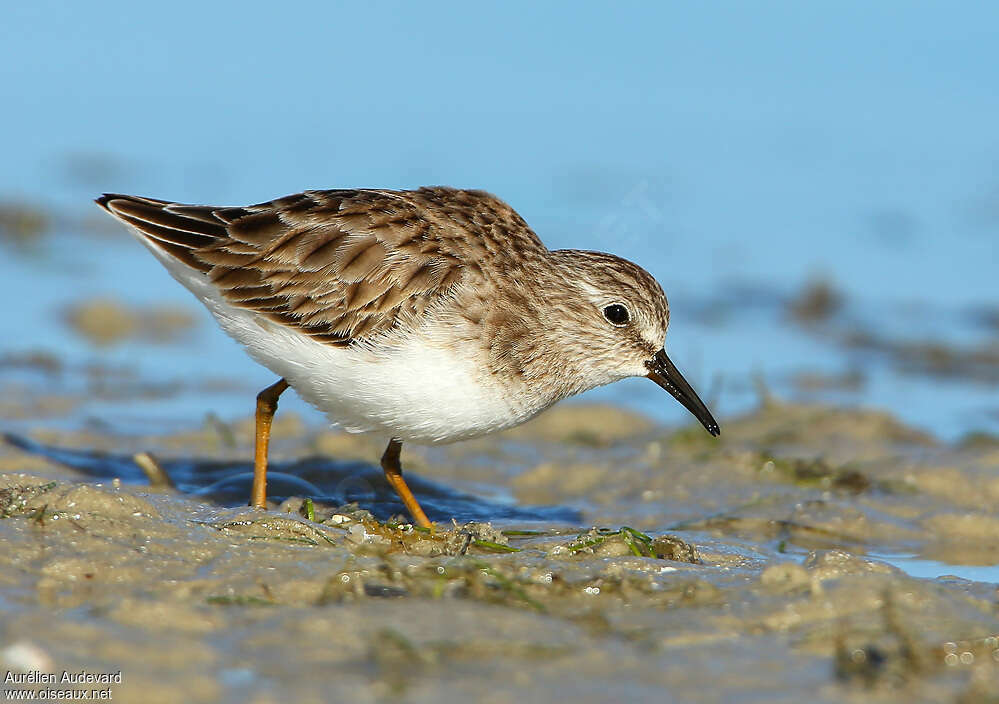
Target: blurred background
point(815, 185)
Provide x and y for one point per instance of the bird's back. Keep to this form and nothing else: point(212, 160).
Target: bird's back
point(338, 265)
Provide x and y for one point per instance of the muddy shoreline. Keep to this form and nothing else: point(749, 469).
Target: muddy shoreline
point(620, 558)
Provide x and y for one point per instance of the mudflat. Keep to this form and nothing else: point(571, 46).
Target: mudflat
point(810, 553)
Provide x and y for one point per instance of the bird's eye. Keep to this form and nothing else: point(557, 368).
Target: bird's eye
point(617, 314)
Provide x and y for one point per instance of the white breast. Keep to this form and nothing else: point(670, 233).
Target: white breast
point(414, 388)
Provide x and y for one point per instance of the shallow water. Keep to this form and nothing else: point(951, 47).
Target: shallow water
point(934, 569)
point(735, 198)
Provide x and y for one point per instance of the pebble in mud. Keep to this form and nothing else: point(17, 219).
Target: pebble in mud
point(830, 564)
point(24, 656)
point(785, 577)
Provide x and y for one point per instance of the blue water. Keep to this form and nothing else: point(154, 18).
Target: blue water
point(725, 146)
point(932, 569)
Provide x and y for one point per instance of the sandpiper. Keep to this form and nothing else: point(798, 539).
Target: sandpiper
point(429, 316)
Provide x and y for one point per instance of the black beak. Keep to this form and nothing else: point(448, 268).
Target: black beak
point(663, 372)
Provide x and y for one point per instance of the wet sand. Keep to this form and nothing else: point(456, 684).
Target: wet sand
point(610, 560)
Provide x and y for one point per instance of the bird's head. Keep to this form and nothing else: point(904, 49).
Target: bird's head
point(618, 315)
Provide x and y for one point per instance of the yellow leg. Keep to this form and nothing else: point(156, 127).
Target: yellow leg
point(267, 402)
point(393, 472)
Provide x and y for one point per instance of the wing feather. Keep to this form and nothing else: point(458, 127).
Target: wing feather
point(338, 265)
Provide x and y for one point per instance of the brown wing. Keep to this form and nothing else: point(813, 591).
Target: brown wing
point(340, 265)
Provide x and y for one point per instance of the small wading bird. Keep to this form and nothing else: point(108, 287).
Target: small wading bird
point(428, 316)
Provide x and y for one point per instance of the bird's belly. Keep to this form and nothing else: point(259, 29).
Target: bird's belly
point(414, 388)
